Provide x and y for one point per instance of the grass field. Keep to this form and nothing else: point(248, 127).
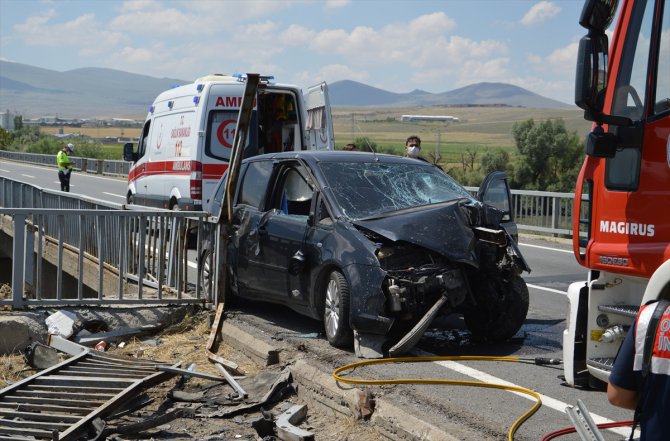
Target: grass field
point(479, 129)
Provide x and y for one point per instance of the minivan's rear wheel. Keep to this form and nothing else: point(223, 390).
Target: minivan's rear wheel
point(336, 310)
point(502, 306)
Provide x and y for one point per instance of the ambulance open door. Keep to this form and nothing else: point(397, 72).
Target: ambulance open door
point(319, 124)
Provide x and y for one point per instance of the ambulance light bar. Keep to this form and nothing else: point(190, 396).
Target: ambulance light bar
point(243, 77)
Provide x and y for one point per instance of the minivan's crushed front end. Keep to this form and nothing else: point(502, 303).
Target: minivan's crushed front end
point(442, 260)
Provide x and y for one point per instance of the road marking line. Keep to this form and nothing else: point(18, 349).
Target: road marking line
point(28, 176)
point(3, 170)
point(550, 402)
point(545, 248)
point(113, 194)
point(542, 288)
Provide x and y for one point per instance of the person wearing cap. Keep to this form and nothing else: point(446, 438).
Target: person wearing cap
point(64, 167)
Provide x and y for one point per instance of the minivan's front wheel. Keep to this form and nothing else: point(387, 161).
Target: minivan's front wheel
point(502, 306)
point(336, 310)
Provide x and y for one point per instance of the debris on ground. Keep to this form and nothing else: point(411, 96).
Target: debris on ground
point(204, 400)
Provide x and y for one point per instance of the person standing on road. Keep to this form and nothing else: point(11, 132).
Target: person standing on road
point(640, 379)
point(64, 167)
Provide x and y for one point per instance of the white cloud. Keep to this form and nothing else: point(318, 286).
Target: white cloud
point(149, 18)
point(38, 31)
point(331, 73)
point(539, 13)
point(560, 61)
point(364, 44)
point(334, 4)
point(296, 35)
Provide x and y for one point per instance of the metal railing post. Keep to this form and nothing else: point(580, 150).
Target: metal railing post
point(18, 275)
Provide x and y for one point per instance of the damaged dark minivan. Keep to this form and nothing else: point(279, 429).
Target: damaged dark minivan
point(376, 246)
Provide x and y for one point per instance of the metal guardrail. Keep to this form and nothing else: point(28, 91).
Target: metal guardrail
point(540, 212)
point(99, 166)
point(113, 253)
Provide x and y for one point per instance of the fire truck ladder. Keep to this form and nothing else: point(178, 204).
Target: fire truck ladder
point(59, 403)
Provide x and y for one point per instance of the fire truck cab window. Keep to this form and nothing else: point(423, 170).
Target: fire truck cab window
point(662, 100)
point(622, 172)
point(631, 83)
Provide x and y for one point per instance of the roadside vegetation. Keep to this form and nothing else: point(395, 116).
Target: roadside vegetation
point(543, 152)
point(33, 139)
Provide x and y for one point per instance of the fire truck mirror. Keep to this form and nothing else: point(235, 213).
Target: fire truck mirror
point(591, 76)
point(597, 15)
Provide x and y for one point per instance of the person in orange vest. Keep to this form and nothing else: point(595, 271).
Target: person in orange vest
point(64, 167)
point(640, 378)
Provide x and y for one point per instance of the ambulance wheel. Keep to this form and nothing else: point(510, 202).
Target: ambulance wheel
point(501, 309)
point(130, 199)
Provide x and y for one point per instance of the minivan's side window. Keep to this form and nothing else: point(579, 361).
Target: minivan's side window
point(255, 183)
point(295, 196)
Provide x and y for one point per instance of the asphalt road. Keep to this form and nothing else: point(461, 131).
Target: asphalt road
point(490, 412)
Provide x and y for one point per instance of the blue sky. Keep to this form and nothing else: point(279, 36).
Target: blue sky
point(394, 45)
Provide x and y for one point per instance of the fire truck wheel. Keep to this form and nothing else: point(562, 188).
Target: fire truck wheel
point(502, 306)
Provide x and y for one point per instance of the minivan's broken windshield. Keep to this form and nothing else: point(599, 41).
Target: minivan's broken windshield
point(371, 189)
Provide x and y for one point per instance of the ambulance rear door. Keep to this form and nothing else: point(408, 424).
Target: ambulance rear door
point(223, 108)
point(319, 123)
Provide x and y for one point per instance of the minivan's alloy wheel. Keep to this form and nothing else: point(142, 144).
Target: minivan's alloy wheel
point(336, 310)
point(206, 275)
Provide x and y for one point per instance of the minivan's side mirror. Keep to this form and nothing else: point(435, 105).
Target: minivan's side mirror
point(128, 154)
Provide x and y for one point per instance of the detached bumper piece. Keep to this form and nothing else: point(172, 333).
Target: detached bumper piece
point(414, 335)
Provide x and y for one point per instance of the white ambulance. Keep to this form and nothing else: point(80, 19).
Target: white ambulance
point(185, 144)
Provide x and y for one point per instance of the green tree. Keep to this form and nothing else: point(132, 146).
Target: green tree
point(18, 122)
point(548, 156)
point(365, 144)
point(6, 139)
point(495, 160)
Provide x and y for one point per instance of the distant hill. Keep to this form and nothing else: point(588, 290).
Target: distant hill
point(93, 92)
point(352, 93)
point(101, 92)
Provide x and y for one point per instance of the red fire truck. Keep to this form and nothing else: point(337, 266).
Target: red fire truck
point(621, 225)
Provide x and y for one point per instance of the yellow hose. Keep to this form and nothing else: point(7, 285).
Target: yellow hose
point(512, 430)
